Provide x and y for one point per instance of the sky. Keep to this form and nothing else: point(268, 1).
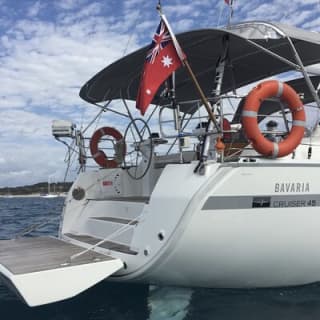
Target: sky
point(50, 48)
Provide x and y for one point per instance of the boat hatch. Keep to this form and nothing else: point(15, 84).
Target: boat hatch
point(42, 270)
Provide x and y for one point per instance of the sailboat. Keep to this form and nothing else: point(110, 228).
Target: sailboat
point(49, 195)
point(177, 198)
point(8, 195)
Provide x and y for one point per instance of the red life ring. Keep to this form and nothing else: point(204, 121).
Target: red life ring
point(98, 155)
point(284, 92)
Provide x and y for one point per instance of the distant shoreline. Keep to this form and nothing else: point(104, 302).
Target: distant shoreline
point(36, 190)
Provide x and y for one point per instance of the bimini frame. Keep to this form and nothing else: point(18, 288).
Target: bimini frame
point(233, 57)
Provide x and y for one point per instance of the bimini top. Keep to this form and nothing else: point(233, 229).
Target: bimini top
point(247, 61)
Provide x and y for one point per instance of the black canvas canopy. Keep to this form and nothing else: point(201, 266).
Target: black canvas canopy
point(247, 62)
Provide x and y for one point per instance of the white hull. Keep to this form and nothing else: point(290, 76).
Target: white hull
point(218, 230)
point(213, 237)
point(252, 247)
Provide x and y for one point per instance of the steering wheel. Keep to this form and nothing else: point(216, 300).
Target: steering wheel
point(139, 151)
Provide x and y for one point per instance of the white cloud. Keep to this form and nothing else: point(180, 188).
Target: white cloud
point(297, 13)
point(23, 124)
point(44, 64)
point(34, 9)
point(49, 49)
point(312, 24)
point(26, 164)
point(50, 63)
point(69, 4)
point(183, 25)
point(181, 10)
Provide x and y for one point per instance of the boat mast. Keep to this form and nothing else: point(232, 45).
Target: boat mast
point(186, 64)
point(216, 92)
point(230, 4)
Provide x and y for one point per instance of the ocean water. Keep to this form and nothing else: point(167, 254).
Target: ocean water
point(114, 301)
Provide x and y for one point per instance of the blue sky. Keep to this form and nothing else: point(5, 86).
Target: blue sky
point(49, 49)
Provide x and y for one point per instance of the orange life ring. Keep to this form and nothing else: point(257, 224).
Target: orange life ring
point(98, 155)
point(284, 92)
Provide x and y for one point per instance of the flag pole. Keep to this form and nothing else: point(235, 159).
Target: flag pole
point(230, 4)
point(185, 62)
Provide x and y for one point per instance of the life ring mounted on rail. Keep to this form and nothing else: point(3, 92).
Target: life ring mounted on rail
point(99, 156)
point(269, 89)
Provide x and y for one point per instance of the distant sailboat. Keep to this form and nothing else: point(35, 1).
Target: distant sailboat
point(49, 194)
point(8, 195)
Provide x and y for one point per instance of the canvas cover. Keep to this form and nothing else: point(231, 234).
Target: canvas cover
point(246, 63)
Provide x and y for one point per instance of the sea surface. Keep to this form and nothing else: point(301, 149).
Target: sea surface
point(113, 301)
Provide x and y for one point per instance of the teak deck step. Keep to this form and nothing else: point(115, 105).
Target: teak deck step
point(106, 245)
point(116, 220)
point(42, 253)
point(37, 268)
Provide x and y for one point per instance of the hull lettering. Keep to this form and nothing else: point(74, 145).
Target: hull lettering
point(286, 187)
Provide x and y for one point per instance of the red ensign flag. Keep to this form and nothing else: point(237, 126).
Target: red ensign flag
point(162, 59)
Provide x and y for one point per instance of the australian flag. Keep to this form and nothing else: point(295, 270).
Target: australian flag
point(161, 61)
point(160, 40)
